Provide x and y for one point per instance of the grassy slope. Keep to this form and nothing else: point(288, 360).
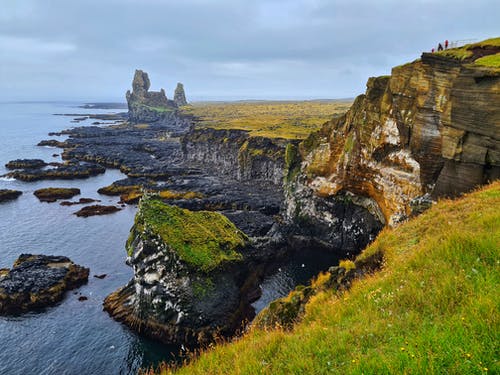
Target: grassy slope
point(290, 120)
point(433, 308)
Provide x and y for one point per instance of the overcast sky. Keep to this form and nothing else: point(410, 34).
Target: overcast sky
point(227, 49)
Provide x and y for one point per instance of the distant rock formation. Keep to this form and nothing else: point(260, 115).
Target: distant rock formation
point(151, 106)
point(180, 95)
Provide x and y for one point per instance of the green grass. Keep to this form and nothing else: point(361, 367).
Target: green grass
point(432, 309)
point(466, 51)
point(492, 61)
point(271, 119)
point(203, 240)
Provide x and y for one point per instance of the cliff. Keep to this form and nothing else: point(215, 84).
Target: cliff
point(409, 317)
point(237, 154)
point(150, 106)
point(429, 130)
point(186, 286)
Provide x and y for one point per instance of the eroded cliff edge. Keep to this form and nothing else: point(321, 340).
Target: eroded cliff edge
point(431, 129)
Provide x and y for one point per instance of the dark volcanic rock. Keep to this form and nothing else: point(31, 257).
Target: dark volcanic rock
point(180, 95)
point(8, 195)
point(80, 201)
point(53, 194)
point(51, 143)
point(25, 164)
point(38, 281)
point(96, 210)
point(147, 106)
point(67, 171)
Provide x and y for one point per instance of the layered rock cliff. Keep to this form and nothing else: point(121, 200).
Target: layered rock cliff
point(236, 154)
point(431, 129)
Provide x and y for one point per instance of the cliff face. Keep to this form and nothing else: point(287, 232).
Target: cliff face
point(432, 127)
point(236, 154)
point(148, 106)
point(185, 287)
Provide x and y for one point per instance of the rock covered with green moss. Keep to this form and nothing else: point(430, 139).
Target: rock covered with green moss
point(185, 287)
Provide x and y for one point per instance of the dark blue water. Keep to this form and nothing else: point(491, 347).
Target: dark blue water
point(73, 337)
point(78, 337)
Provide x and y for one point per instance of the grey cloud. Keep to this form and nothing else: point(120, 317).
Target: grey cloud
point(229, 48)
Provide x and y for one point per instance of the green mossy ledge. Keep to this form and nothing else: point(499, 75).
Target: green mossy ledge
point(188, 272)
point(203, 240)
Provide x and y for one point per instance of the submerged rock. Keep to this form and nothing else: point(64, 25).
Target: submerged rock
point(53, 194)
point(186, 269)
point(8, 195)
point(96, 210)
point(38, 281)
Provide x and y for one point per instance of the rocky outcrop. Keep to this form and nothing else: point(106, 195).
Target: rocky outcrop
point(37, 281)
point(148, 106)
point(432, 127)
point(236, 154)
point(53, 194)
point(25, 164)
point(62, 171)
point(9, 195)
point(180, 95)
point(186, 286)
point(96, 209)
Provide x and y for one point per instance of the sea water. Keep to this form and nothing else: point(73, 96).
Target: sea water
point(76, 337)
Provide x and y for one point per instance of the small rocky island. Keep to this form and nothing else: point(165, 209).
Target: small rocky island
point(37, 281)
point(8, 195)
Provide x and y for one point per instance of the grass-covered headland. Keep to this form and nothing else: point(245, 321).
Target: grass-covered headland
point(433, 308)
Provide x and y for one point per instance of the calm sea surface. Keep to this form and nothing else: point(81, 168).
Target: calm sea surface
point(79, 337)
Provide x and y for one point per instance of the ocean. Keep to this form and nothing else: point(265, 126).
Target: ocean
point(76, 337)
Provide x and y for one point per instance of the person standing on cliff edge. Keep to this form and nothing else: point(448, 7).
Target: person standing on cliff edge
point(446, 44)
point(440, 47)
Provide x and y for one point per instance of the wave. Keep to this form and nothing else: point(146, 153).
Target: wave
point(7, 179)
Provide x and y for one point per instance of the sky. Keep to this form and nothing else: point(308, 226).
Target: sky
point(88, 50)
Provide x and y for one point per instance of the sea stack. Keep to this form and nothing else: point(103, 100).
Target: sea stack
point(180, 95)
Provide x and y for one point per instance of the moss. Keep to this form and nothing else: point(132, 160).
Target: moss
point(52, 194)
point(349, 143)
point(202, 286)
point(203, 240)
point(292, 161)
point(118, 189)
point(491, 61)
